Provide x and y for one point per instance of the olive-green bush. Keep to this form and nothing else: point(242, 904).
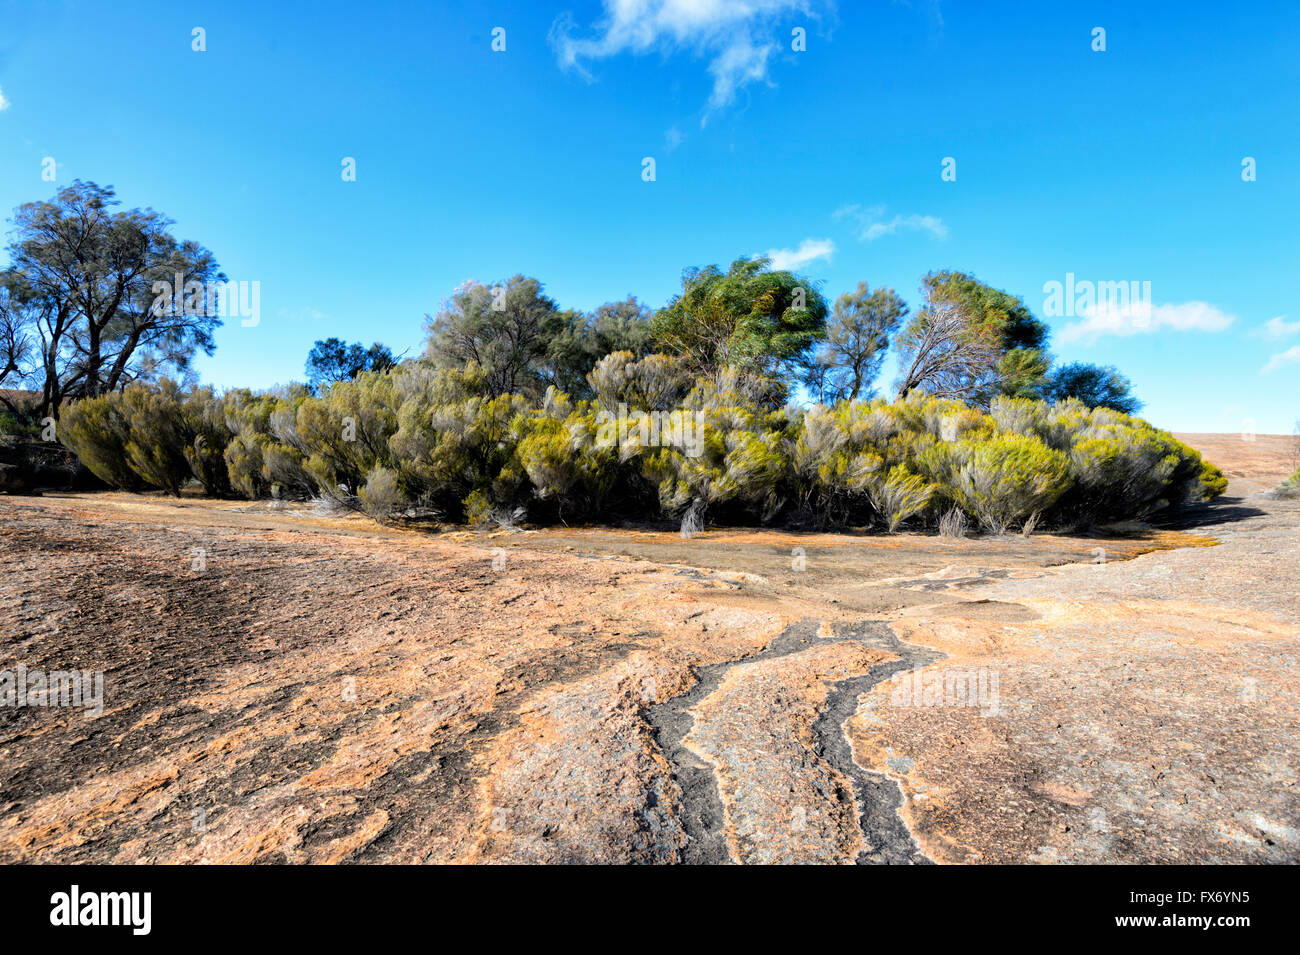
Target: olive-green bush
point(1007, 479)
point(1288, 489)
point(204, 415)
point(1120, 467)
point(156, 435)
point(900, 494)
point(564, 457)
point(95, 430)
point(650, 441)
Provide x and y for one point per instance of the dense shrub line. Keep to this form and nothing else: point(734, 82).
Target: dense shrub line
point(420, 442)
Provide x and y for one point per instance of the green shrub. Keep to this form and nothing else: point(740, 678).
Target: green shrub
point(1120, 474)
point(248, 419)
point(151, 435)
point(1020, 415)
point(900, 494)
point(95, 430)
point(566, 461)
point(284, 453)
point(1127, 469)
point(284, 472)
point(652, 442)
point(1007, 479)
point(736, 464)
point(157, 435)
point(1289, 488)
point(835, 454)
point(381, 496)
point(478, 508)
point(1213, 483)
point(245, 466)
point(344, 433)
point(451, 442)
point(204, 415)
point(655, 382)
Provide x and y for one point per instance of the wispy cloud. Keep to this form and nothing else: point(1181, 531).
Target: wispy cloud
point(4, 103)
point(809, 250)
point(673, 138)
point(1289, 357)
point(304, 313)
point(1277, 328)
point(741, 62)
point(737, 37)
point(870, 224)
point(1142, 318)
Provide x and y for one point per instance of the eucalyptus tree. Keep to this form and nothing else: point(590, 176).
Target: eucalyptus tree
point(84, 281)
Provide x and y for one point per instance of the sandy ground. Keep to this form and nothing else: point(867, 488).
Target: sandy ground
point(281, 686)
point(1252, 463)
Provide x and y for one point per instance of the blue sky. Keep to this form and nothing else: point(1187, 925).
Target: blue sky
point(1114, 166)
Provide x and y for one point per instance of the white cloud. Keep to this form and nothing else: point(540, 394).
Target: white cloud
point(1143, 318)
point(738, 37)
point(871, 224)
point(1289, 357)
point(741, 62)
point(4, 103)
point(912, 223)
point(809, 250)
point(673, 138)
point(1279, 327)
point(304, 313)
